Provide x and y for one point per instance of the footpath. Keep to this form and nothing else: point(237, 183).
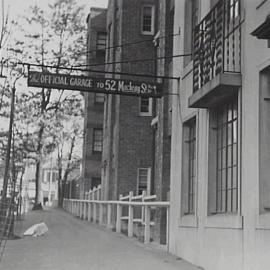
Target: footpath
point(74, 244)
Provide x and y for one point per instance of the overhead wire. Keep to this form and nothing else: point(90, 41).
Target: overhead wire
point(118, 46)
point(136, 60)
point(99, 71)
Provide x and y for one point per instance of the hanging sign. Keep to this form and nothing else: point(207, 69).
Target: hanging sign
point(98, 85)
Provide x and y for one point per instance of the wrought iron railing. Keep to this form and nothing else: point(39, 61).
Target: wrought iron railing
point(217, 43)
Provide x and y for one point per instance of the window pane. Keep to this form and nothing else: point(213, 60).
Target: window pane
point(147, 19)
point(98, 139)
point(99, 98)
point(145, 105)
point(227, 156)
point(143, 176)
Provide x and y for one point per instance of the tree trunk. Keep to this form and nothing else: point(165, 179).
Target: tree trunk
point(38, 204)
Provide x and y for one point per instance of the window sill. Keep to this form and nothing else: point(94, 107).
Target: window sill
point(148, 33)
point(145, 114)
point(263, 221)
point(188, 221)
point(224, 221)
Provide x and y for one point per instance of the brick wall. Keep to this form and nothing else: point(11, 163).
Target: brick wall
point(91, 165)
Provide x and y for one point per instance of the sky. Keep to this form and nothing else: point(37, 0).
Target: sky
point(17, 6)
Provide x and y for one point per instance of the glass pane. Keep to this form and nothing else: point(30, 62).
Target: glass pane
point(224, 161)
point(234, 154)
point(229, 133)
point(224, 180)
point(229, 178)
point(235, 131)
point(234, 180)
point(223, 202)
point(235, 200)
point(229, 200)
point(229, 156)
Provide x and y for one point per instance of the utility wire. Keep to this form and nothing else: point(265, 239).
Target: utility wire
point(133, 43)
point(135, 60)
point(118, 46)
point(99, 71)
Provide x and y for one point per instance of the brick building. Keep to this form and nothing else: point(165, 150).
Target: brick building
point(93, 121)
point(161, 122)
point(128, 136)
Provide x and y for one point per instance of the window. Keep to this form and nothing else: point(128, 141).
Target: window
point(223, 158)
point(148, 13)
point(50, 173)
point(95, 182)
point(189, 167)
point(101, 43)
point(145, 106)
point(144, 178)
point(99, 98)
point(234, 8)
point(264, 142)
point(191, 20)
point(97, 140)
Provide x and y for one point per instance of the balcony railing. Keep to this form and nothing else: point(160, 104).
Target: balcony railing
point(217, 43)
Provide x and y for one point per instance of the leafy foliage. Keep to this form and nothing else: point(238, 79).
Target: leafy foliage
point(48, 120)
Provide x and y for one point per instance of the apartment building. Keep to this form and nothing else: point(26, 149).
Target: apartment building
point(219, 215)
point(128, 135)
point(94, 102)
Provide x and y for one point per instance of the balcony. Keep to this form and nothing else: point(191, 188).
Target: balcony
point(217, 55)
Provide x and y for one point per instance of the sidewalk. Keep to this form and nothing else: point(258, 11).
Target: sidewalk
point(73, 244)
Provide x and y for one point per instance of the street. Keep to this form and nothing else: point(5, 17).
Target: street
point(72, 244)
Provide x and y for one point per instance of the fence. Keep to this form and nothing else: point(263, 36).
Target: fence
point(8, 209)
point(138, 210)
point(93, 194)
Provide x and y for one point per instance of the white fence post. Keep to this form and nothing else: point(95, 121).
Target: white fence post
point(167, 227)
point(143, 208)
point(118, 216)
point(109, 215)
point(85, 211)
point(100, 213)
point(130, 216)
point(89, 211)
point(147, 225)
point(94, 212)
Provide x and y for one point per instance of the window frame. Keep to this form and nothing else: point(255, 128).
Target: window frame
point(96, 98)
point(152, 31)
point(148, 184)
point(150, 107)
point(224, 166)
point(101, 51)
point(189, 162)
point(95, 141)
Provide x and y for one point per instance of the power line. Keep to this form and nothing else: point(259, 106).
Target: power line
point(136, 60)
point(99, 71)
point(117, 46)
point(133, 43)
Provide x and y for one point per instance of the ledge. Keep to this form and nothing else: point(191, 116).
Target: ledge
point(222, 86)
point(224, 221)
point(188, 221)
point(263, 221)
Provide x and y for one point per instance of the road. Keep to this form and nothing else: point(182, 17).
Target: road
point(74, 244)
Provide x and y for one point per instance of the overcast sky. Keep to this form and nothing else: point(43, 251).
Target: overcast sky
point(18, 6)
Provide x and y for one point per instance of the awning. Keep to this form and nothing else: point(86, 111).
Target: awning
point(263, 31)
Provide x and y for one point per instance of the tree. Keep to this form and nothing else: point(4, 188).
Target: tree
point(56, 38)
